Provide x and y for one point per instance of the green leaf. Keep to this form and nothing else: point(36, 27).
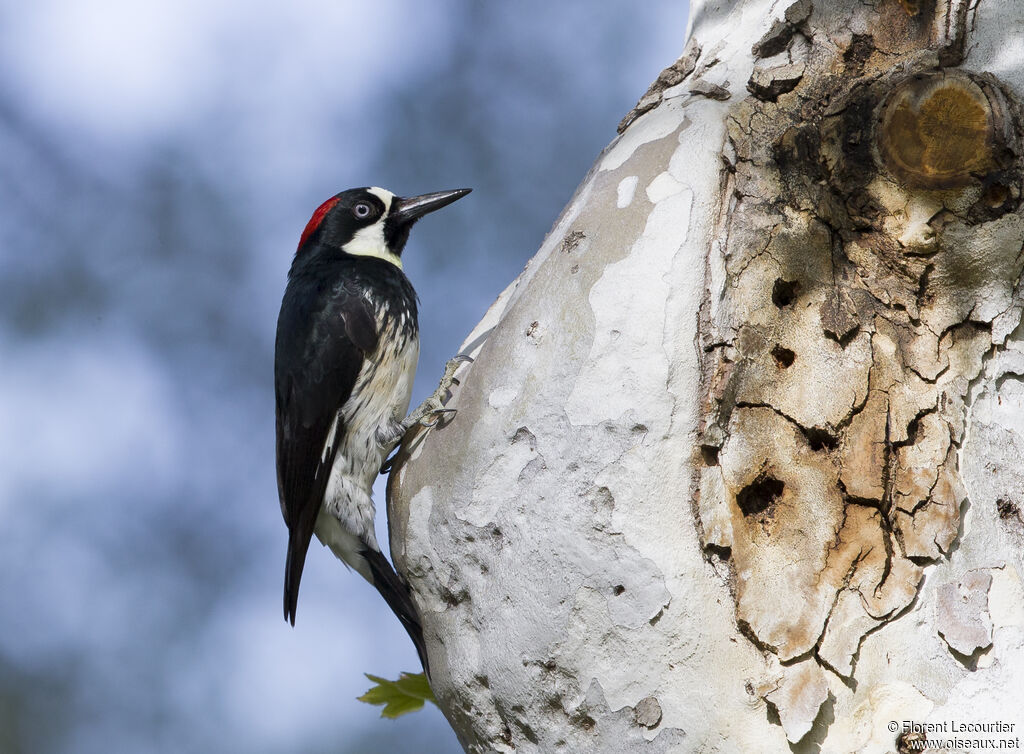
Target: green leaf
point(407, 694)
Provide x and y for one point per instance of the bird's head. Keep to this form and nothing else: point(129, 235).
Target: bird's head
point(370, 222)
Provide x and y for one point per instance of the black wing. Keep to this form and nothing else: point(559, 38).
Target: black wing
point(323, 335)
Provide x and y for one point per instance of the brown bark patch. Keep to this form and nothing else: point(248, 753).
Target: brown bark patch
point(871, 254)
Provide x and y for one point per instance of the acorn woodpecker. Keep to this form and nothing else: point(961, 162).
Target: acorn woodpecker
point(345, 358)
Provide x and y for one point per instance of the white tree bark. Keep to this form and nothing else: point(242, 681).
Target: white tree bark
point(738, 464)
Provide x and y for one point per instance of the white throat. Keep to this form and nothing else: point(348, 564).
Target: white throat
point(369, 241)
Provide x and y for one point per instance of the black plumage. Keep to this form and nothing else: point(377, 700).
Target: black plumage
point(326, 331)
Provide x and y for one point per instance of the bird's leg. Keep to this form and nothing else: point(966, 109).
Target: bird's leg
point(432, 410)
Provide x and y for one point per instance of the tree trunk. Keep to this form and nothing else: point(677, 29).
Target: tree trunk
point(737, 466)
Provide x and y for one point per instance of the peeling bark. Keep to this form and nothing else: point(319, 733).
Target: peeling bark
point(737, 464)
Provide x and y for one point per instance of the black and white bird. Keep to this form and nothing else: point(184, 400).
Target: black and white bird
point(345, 358)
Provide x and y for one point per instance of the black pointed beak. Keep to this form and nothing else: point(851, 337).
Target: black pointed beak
point(407, 211)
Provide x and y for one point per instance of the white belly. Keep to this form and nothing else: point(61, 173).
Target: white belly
point(379, 399)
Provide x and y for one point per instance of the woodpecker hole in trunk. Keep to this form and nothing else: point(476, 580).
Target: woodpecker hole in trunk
point(783, 357)
point(759, 495)
point(784, 292)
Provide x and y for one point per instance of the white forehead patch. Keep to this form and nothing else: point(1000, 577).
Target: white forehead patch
point(384, 195)
point(369, 241)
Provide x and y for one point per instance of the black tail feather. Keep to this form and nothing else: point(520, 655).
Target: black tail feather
point(294, 561)
point(396, 594)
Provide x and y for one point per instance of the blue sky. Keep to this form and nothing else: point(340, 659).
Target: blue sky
point(158, 161)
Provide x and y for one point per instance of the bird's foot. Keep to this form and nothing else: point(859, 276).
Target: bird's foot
point(429, 414)
point(432, 411)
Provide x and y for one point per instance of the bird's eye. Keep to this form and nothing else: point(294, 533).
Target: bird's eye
point(362, 210)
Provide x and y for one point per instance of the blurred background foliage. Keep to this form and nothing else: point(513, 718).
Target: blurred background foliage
point(157, 163)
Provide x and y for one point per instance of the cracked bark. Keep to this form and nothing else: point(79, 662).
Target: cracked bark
point(737, 464)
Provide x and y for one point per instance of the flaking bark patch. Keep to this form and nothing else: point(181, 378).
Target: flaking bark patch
point(871, 252)
point(668, 78)
point(962, 616)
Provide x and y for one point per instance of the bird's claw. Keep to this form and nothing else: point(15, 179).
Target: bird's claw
point(432, 412)
point(440, 415)
point(448, 379)
point(443, 387)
